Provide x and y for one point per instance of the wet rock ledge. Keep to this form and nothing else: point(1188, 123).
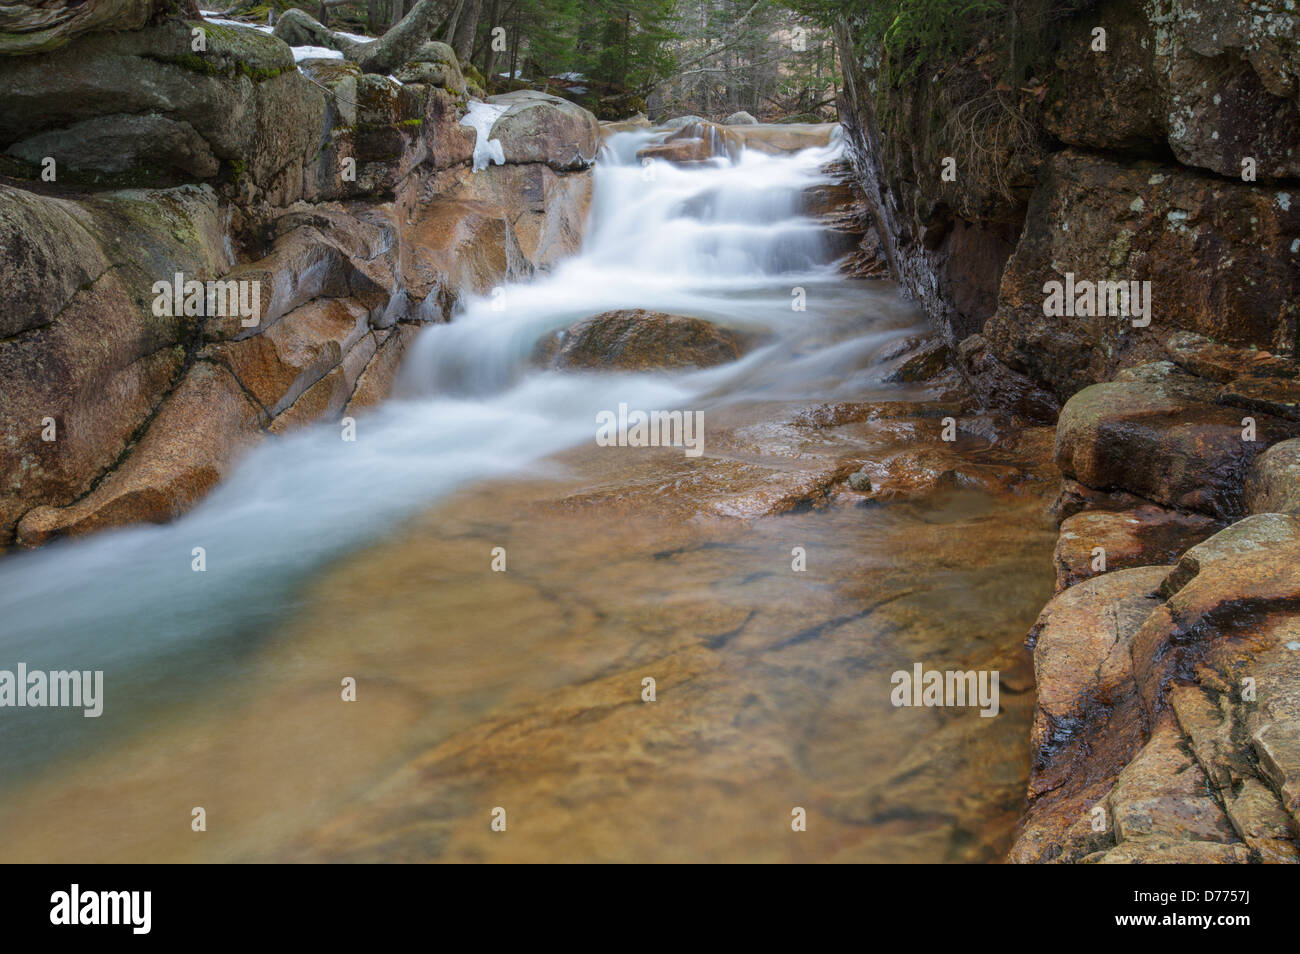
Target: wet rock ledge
point(1168, 710)
point(1167, 726)
point(348, 195)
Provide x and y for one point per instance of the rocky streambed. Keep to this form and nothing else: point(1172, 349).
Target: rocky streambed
point(498, 588)
point(524, 688)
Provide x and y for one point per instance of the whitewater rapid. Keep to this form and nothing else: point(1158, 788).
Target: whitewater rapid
point(724, 241)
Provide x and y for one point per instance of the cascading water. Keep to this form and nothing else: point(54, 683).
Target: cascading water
point(723, 240)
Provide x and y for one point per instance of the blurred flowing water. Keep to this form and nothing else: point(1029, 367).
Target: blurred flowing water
point(221, 687)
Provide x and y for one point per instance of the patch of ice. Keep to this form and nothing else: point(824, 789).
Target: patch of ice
point(481, 117)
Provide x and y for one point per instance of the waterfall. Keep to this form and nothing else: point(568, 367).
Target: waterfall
point(723, 240)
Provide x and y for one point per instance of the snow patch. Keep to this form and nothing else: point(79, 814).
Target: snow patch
point(301, 53)
point(481, 117)
point(221, 21)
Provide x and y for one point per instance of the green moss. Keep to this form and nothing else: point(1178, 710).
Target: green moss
point(233, 51)
point(332, 72)
point(411, 122)
point(21, 44)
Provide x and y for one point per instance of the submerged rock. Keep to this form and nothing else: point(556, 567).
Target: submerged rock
point(640, 340)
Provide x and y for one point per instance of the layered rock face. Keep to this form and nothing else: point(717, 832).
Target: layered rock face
point(1166, 693)
point(1121, 254)
point(208, 243)
point(1169, 157)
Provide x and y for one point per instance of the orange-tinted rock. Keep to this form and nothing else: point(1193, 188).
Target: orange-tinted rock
point(326, 399)
point(1160, 810)
point(683, 151)
point(1206, 358)
point(1104, 220)
point(376, 380)
point(190, 445)
point(302, 265)
point(462, 244)
point(1159, 435)
point(1217, 596)
point(1145, 536)
point(1074, 498)
point(638, 340)
point(1279, 397)
point(1112, 782)
point(277, 366)
point(546, 209)
point(1083, 673)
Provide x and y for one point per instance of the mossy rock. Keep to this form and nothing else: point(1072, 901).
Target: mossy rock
point(230, 50)
point(329, 72)
point(242, 96)
point(32, 27)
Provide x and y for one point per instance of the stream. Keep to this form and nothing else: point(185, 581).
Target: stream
point(522, 689)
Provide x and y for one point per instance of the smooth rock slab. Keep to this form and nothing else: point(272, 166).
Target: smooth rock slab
point(637, 340)
point(1274, 482)
point(1088, 721)
point(1161, 437)
point(190, 445)
point(1145, 536)
point(538, 127)
point(1082, 662)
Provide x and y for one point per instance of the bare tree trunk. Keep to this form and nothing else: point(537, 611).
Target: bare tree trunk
point(372, 15)
point(466, 29)
point(399, 11)
point(514, 47)
point(449, 27)
point(383, 55)
point(489, 54)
